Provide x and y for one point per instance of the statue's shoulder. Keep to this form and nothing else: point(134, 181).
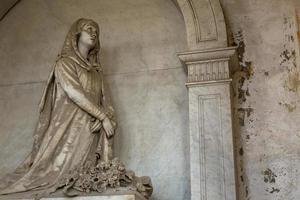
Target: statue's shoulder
point(72, 62)
point(66, 61)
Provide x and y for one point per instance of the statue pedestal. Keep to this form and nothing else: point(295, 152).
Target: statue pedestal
point(105, 197)
point(121, 195)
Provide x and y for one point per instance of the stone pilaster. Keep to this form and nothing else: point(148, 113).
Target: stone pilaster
point(210, 124)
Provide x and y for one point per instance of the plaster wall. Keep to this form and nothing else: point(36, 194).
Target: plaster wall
point(5, 6)
point(266, 98)
point(145, 78)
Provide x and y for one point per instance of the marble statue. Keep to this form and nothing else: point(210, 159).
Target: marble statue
point(72, 146)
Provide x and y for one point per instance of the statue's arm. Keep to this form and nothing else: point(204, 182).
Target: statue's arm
point(66, 76)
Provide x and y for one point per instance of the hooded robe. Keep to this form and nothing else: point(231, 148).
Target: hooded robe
point(72, 102)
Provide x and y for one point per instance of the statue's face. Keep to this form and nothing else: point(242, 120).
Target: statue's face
point(88, 36)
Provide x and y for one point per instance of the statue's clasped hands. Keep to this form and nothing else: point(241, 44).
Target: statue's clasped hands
point(108, 127)
point(108, 124)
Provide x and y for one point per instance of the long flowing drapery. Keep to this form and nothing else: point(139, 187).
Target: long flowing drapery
point(72, 102)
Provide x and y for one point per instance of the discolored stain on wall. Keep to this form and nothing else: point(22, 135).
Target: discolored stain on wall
point(289, 106)
point(244, 113)
point(242, 110)
point(269, 176)
point(266, 73)
point(273, 190)
point(298, 21)
point(293, 82)
point(289, 58)
point(245, 69)
point(266, 98)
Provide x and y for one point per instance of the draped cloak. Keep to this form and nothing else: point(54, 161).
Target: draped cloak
point(72, 102)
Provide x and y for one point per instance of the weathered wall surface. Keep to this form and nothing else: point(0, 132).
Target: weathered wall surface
point(266, 98)
point(139, 44)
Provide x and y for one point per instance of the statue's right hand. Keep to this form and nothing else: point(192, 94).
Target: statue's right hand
point(108, 127)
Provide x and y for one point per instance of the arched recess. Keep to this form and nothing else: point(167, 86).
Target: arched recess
point(205, 24)
point(204, 20)
point(207, 75)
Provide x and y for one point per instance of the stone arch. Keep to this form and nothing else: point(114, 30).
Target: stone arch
point(205, 23)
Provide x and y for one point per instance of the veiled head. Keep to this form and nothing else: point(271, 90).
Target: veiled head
point(88, 36)
point(83, 30)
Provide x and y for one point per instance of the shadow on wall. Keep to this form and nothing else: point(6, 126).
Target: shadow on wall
point(6, 6)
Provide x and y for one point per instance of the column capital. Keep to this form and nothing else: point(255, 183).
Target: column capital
point(207, 66)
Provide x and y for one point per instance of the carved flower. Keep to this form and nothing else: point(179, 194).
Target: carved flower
point(110, 174)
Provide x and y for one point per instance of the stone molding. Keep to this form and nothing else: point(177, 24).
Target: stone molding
point(207, 66)
point(205, 24)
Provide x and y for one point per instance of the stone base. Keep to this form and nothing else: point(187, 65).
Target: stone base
point(107, 197)
point(121, 195)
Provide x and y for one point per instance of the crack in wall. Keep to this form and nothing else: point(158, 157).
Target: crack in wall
point(9, 9)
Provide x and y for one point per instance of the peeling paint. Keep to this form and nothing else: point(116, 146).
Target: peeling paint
point(298, 21)
point(287, 55)
point(293, 82)
point(245, 71)
point(274, 190)
point(289, 106)
point(245, 65)
point(266, 73)
point(269, 176)
point(241, 151)
point(243, 113)
point(241, 80)
point(289, 58)
point(242, 178)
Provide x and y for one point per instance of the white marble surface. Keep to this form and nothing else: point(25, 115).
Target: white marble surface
point(139, 41)
point(110, 194)
point(210, 124)
point(107, 197)
point(110, 197)
point(212, 163)
point(123, 197)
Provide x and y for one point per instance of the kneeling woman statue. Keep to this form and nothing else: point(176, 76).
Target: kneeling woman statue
point(72, 141)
